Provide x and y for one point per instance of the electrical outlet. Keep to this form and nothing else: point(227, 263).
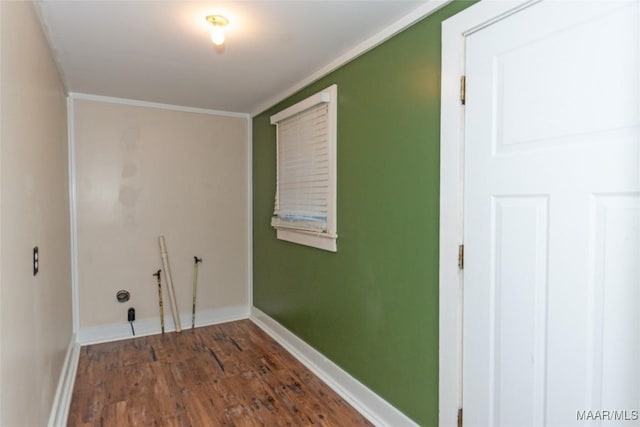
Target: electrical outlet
point(36, 260)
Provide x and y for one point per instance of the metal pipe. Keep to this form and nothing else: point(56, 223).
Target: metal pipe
point(196, 260)
point(157, 274)
point(169, 280)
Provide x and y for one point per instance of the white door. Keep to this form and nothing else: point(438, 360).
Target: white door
point(551, 302)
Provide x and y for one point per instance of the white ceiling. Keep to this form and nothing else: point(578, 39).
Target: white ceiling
point(160, 51)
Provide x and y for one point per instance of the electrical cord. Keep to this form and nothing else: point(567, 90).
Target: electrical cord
point(131, 317)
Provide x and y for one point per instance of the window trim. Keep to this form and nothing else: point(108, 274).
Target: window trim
point(321, 240)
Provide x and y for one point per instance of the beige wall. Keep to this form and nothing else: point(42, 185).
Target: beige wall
point(35, 312)
point(143, 172)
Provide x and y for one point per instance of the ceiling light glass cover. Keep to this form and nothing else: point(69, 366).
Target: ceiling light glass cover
point(217, 33)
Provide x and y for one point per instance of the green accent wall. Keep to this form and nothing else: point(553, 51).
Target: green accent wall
point(372, 307)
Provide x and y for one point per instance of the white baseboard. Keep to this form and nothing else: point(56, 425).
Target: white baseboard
point(64, 391)
point(369, 404)
point(120, 331)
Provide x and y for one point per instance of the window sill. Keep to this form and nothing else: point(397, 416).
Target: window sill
point(323, 241)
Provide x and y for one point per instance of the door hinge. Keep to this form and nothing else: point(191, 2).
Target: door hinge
point(460, 417)
point(463, 90)
point(460, 257)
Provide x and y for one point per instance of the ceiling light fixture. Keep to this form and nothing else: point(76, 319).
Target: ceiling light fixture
point(217, 34)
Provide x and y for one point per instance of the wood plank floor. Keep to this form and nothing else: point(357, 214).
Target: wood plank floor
point(231, 374)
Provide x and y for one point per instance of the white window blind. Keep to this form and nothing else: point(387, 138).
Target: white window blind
point(305, 200)
point(303, 171)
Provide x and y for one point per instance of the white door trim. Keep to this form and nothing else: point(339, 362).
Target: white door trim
point(454, 32)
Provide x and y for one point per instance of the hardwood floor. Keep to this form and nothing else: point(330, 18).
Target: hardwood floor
point(231, 374)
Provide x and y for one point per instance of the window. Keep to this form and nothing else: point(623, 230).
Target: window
point(305, 205)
